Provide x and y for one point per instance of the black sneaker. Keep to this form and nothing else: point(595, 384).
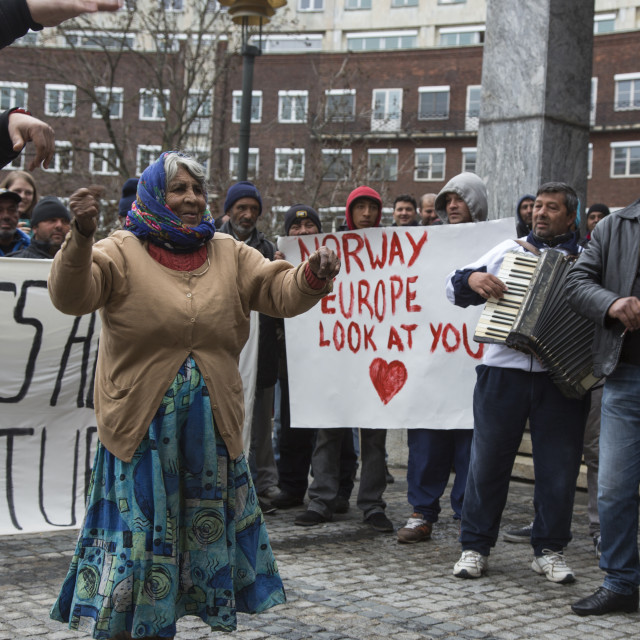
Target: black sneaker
point(266, 507)
point(379, 521)
point(310, 518)
point(523, 534)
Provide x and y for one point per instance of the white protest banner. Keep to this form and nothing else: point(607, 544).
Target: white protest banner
point(386, 349)
point(47, 423)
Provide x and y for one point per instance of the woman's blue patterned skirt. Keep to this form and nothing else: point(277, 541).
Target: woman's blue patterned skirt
point(175, 532)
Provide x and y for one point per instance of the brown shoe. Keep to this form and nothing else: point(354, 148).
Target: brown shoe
point(417, 529)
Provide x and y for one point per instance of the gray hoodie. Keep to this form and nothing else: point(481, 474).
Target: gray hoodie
point(471, 189)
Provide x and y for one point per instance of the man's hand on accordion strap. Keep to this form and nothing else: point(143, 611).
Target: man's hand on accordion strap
point(487, 285)
point(627, 310)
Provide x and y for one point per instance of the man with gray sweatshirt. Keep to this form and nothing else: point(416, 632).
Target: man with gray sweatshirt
point(434, 452)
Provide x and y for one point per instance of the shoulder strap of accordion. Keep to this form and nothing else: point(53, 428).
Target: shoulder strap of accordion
point(529, 247)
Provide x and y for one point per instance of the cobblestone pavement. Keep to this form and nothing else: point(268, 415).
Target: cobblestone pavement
point(346, 582)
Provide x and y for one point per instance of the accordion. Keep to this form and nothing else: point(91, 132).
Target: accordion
point(534, 317)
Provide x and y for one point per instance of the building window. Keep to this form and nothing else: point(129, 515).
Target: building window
point(433, 103)
point(340, 105)
point(152, 107)
point(429, 164)
point(336, 164)
point(60, 100)
point(352, 5)
point(103, 159)
point(386, 110)
point(459, 36)
point(472, 113)
point(16, 163)
point(469, 159)
point(451, 1)
point(593, 101)
point(292, 106)
point(62, 158)
point(13, 94)
point(382, 40)
point(199, 113)
point(290, 164)
point(147, 155)
point(29, 39)
point(627, 91)
point(256, 106)
point(108, 98)
point(310, 5)
point(100, 41)
point(252, 166)
point(625, 159)
point(604, 22)
point(590, 161)
point(172, 5)
point(292, 44)
point(382, 164)
point(404, 3)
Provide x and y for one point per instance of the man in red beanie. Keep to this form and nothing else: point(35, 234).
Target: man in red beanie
point(364, 210)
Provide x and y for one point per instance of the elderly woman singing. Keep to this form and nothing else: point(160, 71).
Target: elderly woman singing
point(173, 527)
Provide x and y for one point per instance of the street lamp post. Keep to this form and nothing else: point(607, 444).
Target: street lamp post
point(250, 14)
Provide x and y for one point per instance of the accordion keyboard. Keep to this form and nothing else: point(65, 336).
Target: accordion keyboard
point(499, 314)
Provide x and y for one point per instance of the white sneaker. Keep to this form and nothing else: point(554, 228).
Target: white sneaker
point(471, 565)
point(552, 565)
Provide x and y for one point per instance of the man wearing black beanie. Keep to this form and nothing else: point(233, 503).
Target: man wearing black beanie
point(50, 222)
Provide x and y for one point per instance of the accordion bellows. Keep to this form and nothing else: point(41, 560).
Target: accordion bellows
point(535, 317)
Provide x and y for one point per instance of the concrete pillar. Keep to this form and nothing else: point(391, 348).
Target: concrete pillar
point(536, 83)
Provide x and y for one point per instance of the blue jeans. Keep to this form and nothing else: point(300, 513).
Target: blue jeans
point(618, 479)
point(432, 455)
point(503, 400)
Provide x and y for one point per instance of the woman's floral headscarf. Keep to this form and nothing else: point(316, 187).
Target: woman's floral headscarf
point(150, 218)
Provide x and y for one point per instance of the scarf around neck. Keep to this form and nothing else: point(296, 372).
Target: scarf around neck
point(150, 218)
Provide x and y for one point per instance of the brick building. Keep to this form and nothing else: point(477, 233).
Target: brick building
point(401, 120)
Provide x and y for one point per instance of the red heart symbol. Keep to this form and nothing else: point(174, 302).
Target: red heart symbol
point(387, 379)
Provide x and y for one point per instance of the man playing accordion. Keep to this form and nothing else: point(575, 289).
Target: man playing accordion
point(511, 388)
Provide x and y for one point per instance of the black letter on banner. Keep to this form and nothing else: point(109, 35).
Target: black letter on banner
point(89, 399)
point(86, 352)
point(10, 434)
point(43, 441)
point(37, 339)
point(87, 461)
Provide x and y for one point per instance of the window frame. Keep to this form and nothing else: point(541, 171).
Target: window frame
point(55, 165)
point(236, 98)
point(326, 176)
point(631, 144)
point(297, 151)
point(14, 88)
point(389, 153)
point(294, 95)
point(431, 151)
point(146, 148)
point(634, 93)
point(435, 89)
point(93, 146)
point(152, 93)
point(110, 92)
point(234, 152)
point(329, 93)
point(392, 121)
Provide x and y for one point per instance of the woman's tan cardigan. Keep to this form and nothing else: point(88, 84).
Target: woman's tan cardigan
point(153, 318)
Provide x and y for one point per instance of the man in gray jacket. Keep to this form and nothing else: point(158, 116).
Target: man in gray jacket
point(604, 286)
